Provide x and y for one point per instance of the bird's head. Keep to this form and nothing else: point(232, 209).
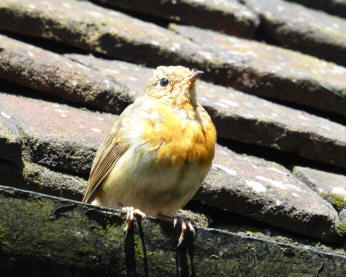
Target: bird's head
point(174, 84)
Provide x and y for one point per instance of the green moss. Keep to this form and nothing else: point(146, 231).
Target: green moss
point(336, 200)
point(342, 229)
point(3, 232)
point(243, 229)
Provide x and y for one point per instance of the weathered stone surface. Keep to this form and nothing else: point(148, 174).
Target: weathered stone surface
point(51, 119)
point(331, 186)
point(307, 30)
point(337, 7)
point(321, 181)
point(342, 225)
point(244, 117)
point(10, 138)
point(58, 136)
point(48, 72)
point(273, 72)
point(53, 237)
point(267, 192)
point(133, 76)
point(342, 216)
point(41, 179)
point(336, 200)
point(227, 16)
point(30, 176)
point(198, 219)
point(100, 30)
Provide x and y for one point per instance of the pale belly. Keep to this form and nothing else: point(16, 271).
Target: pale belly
point(138, 182)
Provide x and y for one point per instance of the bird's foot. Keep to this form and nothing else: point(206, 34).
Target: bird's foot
point(184, 227)
point(131, 211)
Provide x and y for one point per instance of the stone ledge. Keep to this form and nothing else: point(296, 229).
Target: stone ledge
point(37, 232)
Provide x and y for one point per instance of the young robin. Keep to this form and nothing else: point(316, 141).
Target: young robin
point(158, 152)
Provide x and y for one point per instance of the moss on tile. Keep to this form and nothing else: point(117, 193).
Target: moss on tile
point(337, 200)
point(342, 229)
point(3, 232)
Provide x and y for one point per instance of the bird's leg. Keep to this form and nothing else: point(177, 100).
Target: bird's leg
point(184, 227)
point(131, 211)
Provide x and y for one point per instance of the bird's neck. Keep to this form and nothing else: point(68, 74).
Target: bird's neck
point(187, 99)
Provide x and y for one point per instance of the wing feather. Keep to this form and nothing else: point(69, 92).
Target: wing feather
point(105, 160)
point(112, 149)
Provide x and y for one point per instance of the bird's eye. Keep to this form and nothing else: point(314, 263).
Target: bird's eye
point(164, 82)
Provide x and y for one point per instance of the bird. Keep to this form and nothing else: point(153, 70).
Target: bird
point(158, 152)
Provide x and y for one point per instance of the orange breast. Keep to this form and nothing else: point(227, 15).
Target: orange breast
point(180, 139)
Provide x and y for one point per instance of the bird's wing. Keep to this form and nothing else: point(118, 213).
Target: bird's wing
point(105, 160)
point(113, 148)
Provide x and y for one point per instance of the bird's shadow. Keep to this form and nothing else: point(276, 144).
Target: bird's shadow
point(183, 253)
point(184, 257)
point(129, 250)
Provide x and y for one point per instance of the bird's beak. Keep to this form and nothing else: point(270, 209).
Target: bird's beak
point(194, 75)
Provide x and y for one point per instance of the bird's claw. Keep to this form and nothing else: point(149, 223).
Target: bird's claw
point(184, 227)
point(130, 212)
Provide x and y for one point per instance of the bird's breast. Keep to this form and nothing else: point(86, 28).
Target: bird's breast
point(178, 139)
